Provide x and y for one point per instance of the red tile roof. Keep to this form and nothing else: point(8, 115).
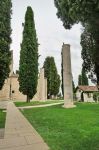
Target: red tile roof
point(88, 88)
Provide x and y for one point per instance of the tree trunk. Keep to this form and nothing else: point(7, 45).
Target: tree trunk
point(28, 99)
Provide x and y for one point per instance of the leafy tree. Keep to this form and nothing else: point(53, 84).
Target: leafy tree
point(53, 79)
point(74, 11)
point(79, 80)
point(90, 54)
point(86, 12)
point(96, 96)
point(28, 70)
point(5, 39)
point(62, 86)
point(82, 79)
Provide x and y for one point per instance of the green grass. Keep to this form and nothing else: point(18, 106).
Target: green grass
point(2, 118)
point(67, 129)
point(34, 103)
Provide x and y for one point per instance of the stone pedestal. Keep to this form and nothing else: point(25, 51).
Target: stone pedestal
point(67, 76)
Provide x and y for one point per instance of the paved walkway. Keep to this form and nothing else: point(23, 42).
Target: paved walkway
point(19, 134)
point(43, 105)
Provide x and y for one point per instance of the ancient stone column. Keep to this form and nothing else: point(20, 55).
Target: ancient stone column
point(42, 86)
point(67, 76)
point(11, 65)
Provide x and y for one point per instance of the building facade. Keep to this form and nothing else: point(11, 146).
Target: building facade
point(85, 93)
point(10, 90)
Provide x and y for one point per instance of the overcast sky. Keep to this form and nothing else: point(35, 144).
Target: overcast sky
point(50, 32)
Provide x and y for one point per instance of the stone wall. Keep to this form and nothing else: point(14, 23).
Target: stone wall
point(11, 91)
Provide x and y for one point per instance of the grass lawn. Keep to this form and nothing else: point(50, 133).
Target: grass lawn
point(2, 118)
point(67, 129)
point(34, 103)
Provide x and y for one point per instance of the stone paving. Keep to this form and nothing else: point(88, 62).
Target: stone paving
point(19, 134)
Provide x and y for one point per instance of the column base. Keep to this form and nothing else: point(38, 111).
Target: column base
point(69, 105)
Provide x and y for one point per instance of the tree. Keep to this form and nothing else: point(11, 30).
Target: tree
point(62, 86)
point(90, 54)
point(79, 80)
point(86, 12)
point(5, 39)
point(73, 84)
point(82, 79)
point(28, 70)
point(53, 79)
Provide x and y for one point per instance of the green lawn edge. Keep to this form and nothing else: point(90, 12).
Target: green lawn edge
point(34, 103)
point(2, 118)
point(67, 129)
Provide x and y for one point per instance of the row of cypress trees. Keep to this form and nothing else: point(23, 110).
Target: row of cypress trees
point(28, 65)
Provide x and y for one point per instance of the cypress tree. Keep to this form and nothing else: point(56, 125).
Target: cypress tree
point(62, 86)
point(53, 79)
point(28, 70)
point(79, 80)
point(82, 79)
point(5, 39)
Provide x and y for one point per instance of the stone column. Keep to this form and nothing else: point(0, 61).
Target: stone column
point(43, 86)
point(67, 76)
point(11, 65)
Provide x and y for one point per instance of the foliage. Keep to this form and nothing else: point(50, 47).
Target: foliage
point(5, 39)
point(74, 11)
point(90, 54)
point(53, 79)
point(86, 12)
point(67, 129)
point(96, 96)
point(82, 79)
point(2, 118)
point(28, 70)
point(62, 86)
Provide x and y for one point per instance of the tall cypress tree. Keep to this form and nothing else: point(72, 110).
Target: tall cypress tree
point(28, 70)
point(5, 39)
point(62, 86)
point(82, 79)
point(53, 79)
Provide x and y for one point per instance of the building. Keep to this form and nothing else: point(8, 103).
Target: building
point(10, 90)
point(85, 93)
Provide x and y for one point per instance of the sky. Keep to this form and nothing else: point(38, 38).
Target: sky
point(50, 32)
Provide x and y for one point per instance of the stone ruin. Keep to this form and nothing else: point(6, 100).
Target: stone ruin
point(67, 77)
point(10, 90)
